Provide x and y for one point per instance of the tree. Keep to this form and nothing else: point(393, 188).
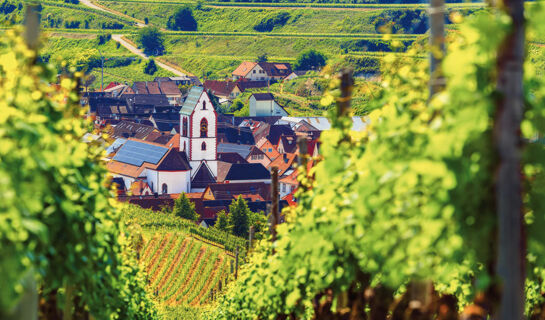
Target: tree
point(184, 208)
point(239, 217)
point(259, 221)
point(151, 40)
point(146, 20)
point(150, 67)
point(262, 58)
point(310, 59)
point(222, 223)
point(182, 20)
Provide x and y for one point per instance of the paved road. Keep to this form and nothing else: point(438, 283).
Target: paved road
point(133, 49)
point(93, 6)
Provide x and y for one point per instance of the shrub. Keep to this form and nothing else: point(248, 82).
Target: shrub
point(112, 25)
point(267, 24)
point(183, 207)
point(150, 67)
point(182, 20)
point(72, 24)
point(146, 20)
point(310, 59)
point(151, 40)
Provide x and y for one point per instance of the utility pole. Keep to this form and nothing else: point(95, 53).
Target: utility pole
point(102, 72)
point(274, 207)
point(508, 190)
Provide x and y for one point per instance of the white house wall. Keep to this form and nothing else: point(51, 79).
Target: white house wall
point(176, 181)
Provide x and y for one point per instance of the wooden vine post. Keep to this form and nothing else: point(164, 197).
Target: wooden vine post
point(236, 263)
point(508, 192)
point(274, 207)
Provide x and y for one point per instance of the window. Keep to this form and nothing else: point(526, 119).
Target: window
point(204, 128)
point(254, 71)
point(204, 105)
point(184, 146)
point(164, 188)
point(203, 146)
point(283, 187)
point(264, 149)
point(270, 149)
point(184, 128)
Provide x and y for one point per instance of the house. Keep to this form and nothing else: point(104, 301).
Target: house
point(268, 148)
point(227, 133)
point(288, 184)
point(231, 157)
point(198, 136)
point(262, 71)
point(287, 144)
point(247, 172)
point(322, 123)
point(242, 149)
point(140, 188)
point(180, 81)
point(128, 129)
point(263, 104)
point(229, 191)
point(222, 89)
point(284, 162)
point(258, 156)
point(166, 88)
point(165, 170)
point(276, 131)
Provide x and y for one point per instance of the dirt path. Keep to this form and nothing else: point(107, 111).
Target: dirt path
point(119, 38)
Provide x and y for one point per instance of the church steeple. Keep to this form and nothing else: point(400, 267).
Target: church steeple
point(198, 126)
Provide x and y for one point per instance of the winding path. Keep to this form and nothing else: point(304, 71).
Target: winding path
point(138, 52)
point(128, 45)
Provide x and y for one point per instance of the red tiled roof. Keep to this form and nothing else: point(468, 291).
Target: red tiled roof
point(222, 88)
point(243, 69)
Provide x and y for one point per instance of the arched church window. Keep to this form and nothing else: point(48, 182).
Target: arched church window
point(204, 105)
point(184, 127)
point(164, 188)
point(204, 128)
point(203, 146)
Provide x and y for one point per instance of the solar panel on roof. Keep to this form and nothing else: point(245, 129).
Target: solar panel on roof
point(136, 153)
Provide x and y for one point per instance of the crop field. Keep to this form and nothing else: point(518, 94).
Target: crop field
point(183, 270)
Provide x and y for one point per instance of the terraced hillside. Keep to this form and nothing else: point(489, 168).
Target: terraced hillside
point(183, 270)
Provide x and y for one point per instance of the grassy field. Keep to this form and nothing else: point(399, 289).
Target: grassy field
point(228, 19)
point(60, 15)
point(70, 47)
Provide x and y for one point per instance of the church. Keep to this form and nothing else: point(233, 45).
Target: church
point(189, 167)
point(198, 138)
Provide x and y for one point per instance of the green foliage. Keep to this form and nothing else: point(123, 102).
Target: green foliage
point(310, 59)
point(182, 20)
point(151, 40)
point(59, 224)
point(103, 38)
point(278, 19)
point(262, 58)
point(222, 222)
point(151, 67)
point(239, 217)
point(409, 198)
point(72, 1)
point(184, 208)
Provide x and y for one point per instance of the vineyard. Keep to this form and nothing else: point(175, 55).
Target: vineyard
point(184, 270)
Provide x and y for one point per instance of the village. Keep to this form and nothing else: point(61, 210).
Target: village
point(164, 141)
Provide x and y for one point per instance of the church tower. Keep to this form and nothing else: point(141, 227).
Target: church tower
point(198, 132)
